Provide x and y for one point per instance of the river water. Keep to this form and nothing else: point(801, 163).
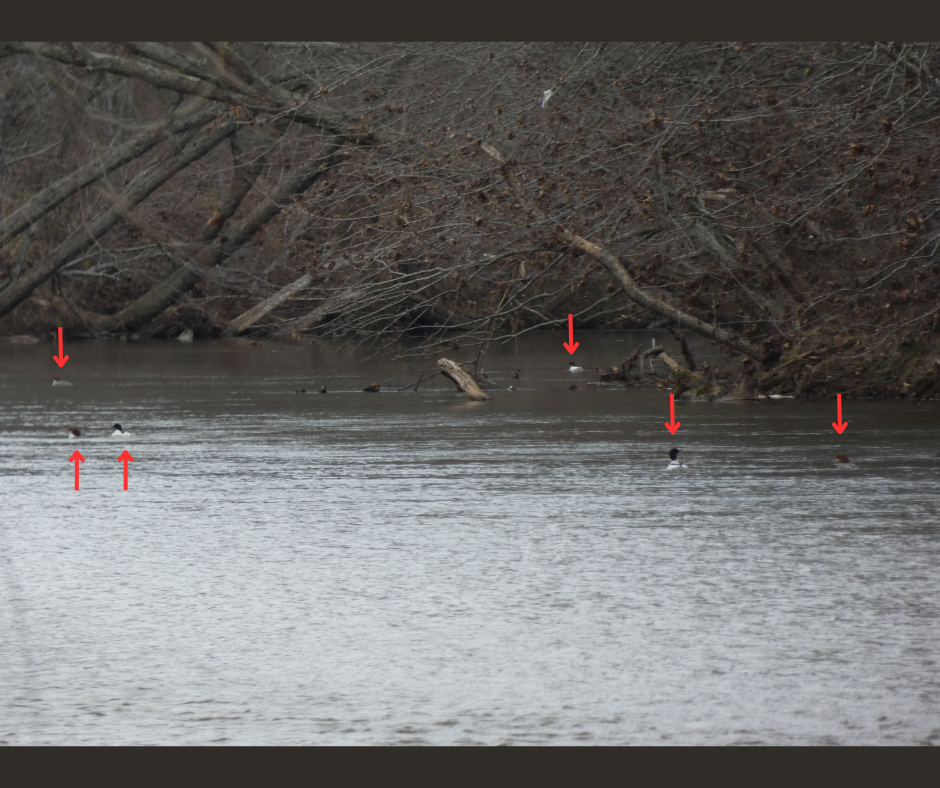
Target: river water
point(410, 567)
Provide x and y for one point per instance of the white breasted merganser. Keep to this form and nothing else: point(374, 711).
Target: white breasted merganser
point(844, 461)
point(674, 463)
point(57, 382)
point(572, 367)
point(118, 432)
point(74, 432)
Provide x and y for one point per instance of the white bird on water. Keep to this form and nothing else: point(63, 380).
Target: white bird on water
point(118, 432)
point(572, 367)
point(57, 382)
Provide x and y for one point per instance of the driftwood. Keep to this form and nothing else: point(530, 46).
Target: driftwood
point(462, 379)
point(248, 319)
point(684, 378)
point(747, 385)
point(623, 371)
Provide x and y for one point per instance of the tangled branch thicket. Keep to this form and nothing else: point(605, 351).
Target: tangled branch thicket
point(779, 199)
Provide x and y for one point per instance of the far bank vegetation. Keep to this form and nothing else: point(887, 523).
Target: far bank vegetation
point(779, 200)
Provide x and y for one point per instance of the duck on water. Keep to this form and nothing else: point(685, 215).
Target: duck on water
point(674, 463)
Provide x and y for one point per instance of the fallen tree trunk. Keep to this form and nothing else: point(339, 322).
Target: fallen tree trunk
point(722, 336)
point(247, 319)
point(747, 385)
point(623, 371)
point(685, 379)
point(462, 379)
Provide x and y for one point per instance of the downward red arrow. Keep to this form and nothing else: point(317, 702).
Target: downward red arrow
point(672, 425)
point(76, 458)
point(571, 346)
point(841, 425)
point(61, 359)
point(125, 458)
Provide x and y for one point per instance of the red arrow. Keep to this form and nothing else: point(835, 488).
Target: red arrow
point(841, 425)
point(571, 346)
point(60, 359)
point(672, 425)
point(125, 458)
point(76, 458)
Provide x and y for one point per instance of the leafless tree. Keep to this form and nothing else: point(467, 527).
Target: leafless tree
point(778, 199)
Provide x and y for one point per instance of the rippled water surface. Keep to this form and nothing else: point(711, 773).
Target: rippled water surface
point(411, 567)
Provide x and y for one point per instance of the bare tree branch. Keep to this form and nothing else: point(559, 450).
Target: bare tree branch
point(140, 188)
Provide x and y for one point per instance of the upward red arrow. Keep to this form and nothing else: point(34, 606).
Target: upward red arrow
point(571, 346)
point(125, 458)
point(76, 458)
point(61, 359)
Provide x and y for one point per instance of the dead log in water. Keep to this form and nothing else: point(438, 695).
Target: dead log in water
point(684, 378)
point(462, 379)
point(747, 383)
point(694, 383)
point(624, 371)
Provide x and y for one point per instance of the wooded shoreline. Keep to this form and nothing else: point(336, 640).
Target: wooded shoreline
point(779, 200)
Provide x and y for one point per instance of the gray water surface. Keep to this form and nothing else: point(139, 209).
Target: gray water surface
point(411, 567)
